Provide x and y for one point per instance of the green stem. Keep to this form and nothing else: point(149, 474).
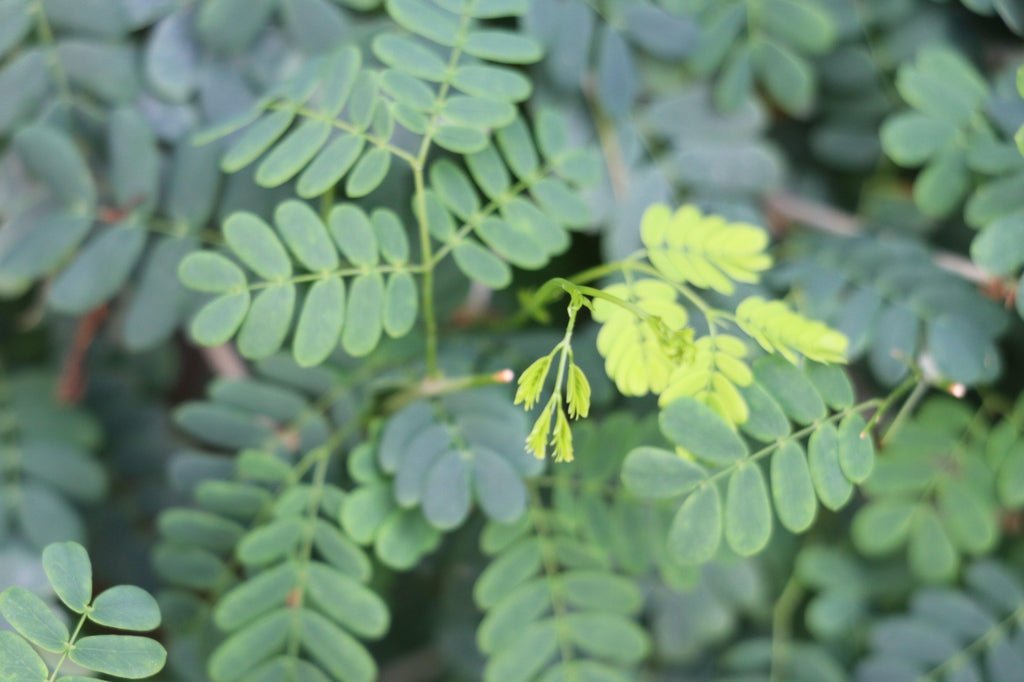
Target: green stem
point(427, 256)
point(549, 560)
point(982, 642)
point(68, 648)
point(44, 33)
point(419, 163)
point(782, 625)
point(888, 402)
point(905, 410)
point(796, 435)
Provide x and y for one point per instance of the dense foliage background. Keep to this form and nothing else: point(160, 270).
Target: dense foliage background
point(270, 269)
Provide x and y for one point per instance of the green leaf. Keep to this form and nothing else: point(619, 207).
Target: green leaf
point(831, 383)
point(969, 519)
point(445, 494)
point(53, 158)
point(256, 244)
point(268, 543)
point(364, 511)
point(491, 82)
point(806, 27)
point(792, 488)
point(832, 487)
point(655, 473)
point(410, 56)
point(941, 186)
point(480, 265)
point(1010, 478)
point(856, 450)
point(320, 323)
point(69, 570)
point(419, 17)
point(369, 173)
point(292, 153)
point(99, 270)
point(696, 530)
point(911, 138)
point(33, 619)
point(766, 421)
point(330, 165)
point(334, 650)
point(250, 646)
point(932, 555)
point(748, 513)
point(219, 319)
point(400, 304)
point(231, 25)
point(882, 526)
point(999, 248)
point(503, 46)
point(364, 325)
point(737, 80)
point(514, 567)
point(347, 602)
point(701, 431)
point(46, 517)
point(498, 487)
point(19, 661)
point(961, 351)
point(612, 637)
point(134, 160)
point(792, 389)
point(210, 272)
point(404, 538)
point(513, 241)
point(788, 77)
point(340, 551)
point(268, 321)
point(354, 235)
point(616, 74)
point(256, 140)
point(306, 236)
point(391, 237)
point(256, 596)
point(460, 139)
point(127, 608)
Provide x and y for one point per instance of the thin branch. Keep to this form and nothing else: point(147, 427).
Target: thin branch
point(794, 209)
point(224, 361)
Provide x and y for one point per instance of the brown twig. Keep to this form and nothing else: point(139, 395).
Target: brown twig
point(74, 376)
point(225, 362)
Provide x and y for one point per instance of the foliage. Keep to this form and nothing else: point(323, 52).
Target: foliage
point(655, 340)
point(124, 607)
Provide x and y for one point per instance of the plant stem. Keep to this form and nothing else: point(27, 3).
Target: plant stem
point(782, 625)
point(427, 256)
point(68, 648)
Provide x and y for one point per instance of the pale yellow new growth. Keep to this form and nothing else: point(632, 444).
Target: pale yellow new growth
point(712, 376)
point(636, 358)
point(705, 251)
point(781, 330)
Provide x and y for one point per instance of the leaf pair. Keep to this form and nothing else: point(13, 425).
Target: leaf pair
point(711, 453)
point(124, 607)
point(445, 454)
point(381, 297)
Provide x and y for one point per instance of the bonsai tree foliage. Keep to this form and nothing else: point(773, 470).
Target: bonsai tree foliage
point(511, 340)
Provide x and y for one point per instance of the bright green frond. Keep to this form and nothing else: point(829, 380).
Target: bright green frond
point(780, 330)
point(638, 358)
point(706, 251)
